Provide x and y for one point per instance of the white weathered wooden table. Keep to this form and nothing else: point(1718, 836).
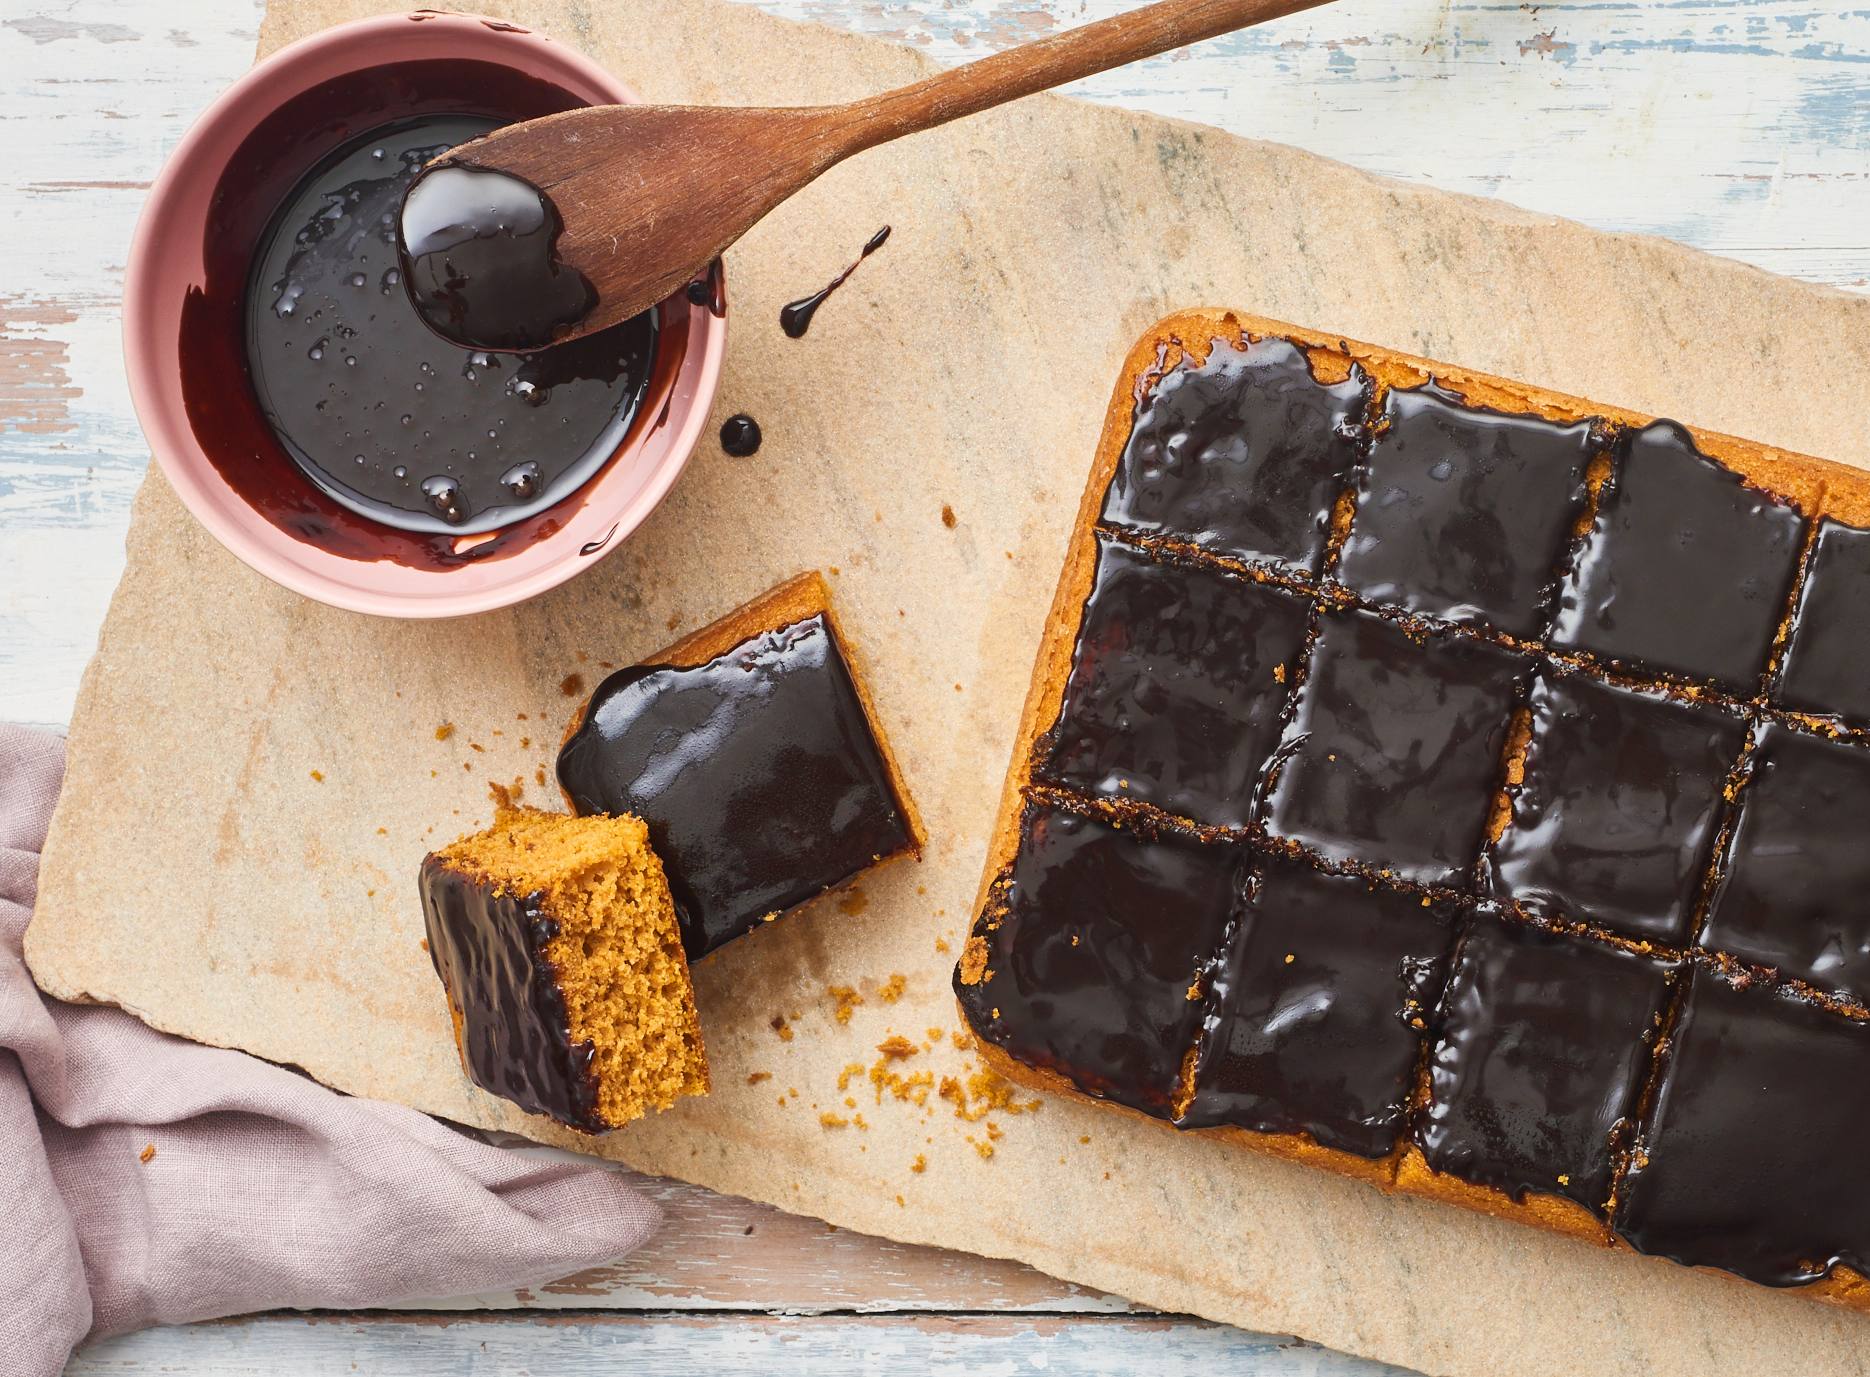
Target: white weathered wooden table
point(1739, 126)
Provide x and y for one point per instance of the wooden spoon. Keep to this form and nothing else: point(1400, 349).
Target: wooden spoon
point(649, 195)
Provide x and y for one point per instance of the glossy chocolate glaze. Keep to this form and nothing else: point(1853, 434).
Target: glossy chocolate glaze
point(1622, 796)
point(1751, 1158)
point(1827, 661)
point(479, 251)
point(1102, 934)
point(1686, 569)
point(1393, 754)
point(1321, 989)
point(1318, 1010)
point(1243, 455)
point(386, 419)
point(1463, 512)
point(740, 436)
point(1542, 1046)
point(795, 317)
point(1795, 882)
point(489, 947)
point(757, 774)
point(710, 289)
point(1176, 685)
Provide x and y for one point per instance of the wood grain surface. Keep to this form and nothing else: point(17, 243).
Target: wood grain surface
point(1739, 126)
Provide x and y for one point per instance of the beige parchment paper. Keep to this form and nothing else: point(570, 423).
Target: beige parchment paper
point(199, 875)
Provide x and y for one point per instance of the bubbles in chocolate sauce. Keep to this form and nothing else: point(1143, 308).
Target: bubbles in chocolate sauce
point(444, 495)
point(522, 480)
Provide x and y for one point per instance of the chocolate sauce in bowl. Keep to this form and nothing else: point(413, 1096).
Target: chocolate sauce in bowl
point(222, 403)
point(380, 414)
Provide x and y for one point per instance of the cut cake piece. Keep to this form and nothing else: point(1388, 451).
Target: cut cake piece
point(751, 748)
point(556, 941)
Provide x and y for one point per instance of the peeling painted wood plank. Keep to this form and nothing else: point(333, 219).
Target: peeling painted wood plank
point(1721, 123)
point(36, 390)
point(675, 1346)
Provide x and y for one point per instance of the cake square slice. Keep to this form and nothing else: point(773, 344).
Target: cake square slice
point(1541, 1048)
point(556, 943)
point(1090, 964)
point(1616, 814)
point(1241, 451)
point(1318, 1010)
point(1463, 511)
point(1391, 760)
point(1794, 891)
point(1686, 569)
point(1176, 685)
point(1826, 670)
point(752, 750)
point(1751, 1158)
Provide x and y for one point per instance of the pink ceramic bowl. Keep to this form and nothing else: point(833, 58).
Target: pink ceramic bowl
point(183, 331)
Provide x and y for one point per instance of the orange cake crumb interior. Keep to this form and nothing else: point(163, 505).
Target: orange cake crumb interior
point(617, 954)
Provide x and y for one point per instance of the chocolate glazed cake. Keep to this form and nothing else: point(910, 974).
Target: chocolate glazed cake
point(556, 944)
point(751, 749)
point(1460, 786)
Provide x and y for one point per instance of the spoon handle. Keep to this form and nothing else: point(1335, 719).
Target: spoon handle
point(1049, 62)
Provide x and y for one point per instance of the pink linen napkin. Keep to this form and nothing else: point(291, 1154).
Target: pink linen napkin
point(148, 1180)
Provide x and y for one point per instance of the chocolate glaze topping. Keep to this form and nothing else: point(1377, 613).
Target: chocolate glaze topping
point(1750, 1157)
point(388, 420)
point(1686, 569)
point(757, 774)
point(1795, 886)
point(1542, 1048)
point(1393, 754)
point(1309, 909)
point(1619, 807)
point(1103, 933)
point(489, 950)
point(479, 251)
point(1176, 686)
point(1318, 1008)
point(1827, 660)
point(1463, 512)
point(1243, 455)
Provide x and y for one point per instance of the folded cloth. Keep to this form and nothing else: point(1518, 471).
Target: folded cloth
point(147, 1180)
